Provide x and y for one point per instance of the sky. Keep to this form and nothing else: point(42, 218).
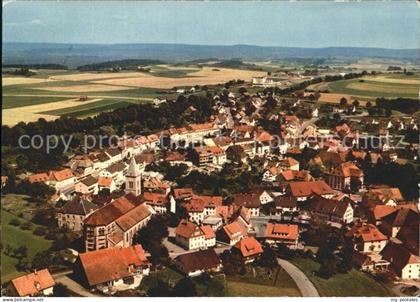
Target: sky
point(392, 24)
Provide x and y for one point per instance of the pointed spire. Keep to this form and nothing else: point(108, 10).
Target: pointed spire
point(133, 169)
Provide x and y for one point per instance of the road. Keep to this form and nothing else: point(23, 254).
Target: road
point(307, 289)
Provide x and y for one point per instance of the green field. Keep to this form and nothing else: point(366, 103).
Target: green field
point(388, 86)
point(15, 237)
point(259, 282)
point(23, 95)
point(352, 284)
point(21, 101)
point(161, 71)
point(89, 109)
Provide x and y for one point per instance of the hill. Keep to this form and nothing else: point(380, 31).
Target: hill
point(74, 55)
point(128, 64)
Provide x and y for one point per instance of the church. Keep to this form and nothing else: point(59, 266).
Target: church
point(116, 223)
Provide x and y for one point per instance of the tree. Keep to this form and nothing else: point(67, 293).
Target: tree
point(161, 289)
point(242, 90)
point(151, 236)
point(356, 103)
point(60, 290)
point(185, 288)
point(268, 258)
point(346, 254)
point(368, 104)
point(343, 101)
point(327, 268)
point(355, 184)
point(232, 262)
point(44, 259)
point(20, 252)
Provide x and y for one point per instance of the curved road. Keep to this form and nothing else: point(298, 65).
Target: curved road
point(307, 289)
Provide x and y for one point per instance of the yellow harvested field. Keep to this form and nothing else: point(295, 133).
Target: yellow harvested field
point(13, 116)
point(334, 98)
point(85, 88)
point(205, 76)
point(7, 81)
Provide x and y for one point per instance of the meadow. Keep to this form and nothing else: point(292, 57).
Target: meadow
point(16, 237)
point(352, 284)
point(372, 87)
point(53, 93)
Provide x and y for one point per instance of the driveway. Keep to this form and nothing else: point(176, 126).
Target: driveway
point(307, 289)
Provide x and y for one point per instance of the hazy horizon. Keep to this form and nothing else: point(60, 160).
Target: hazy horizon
point(190, 44)
point(390, 25)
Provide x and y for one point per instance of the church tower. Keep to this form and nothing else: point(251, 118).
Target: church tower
point(133, 179)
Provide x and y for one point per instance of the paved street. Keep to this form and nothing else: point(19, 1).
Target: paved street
point(305, 286)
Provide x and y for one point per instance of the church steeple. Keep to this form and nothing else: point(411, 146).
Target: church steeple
point(133, 178)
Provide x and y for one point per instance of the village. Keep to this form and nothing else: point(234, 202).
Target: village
point(248, 187)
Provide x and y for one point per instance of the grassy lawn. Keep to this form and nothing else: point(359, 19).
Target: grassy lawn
point(171, 276)
point(263, 284)
point(241, 289)
point(15, 237)
point(354, 283)
point(18, 205)
point(260, 282)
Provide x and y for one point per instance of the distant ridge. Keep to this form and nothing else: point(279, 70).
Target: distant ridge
point(74, 55)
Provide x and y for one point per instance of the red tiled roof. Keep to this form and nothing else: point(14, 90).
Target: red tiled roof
point(208, 231)
point(208, 200)
point(282, 231)
point(183, 193)
point(249, 246)
point(234, 230)
point(387, 193)
point(155, 198)
point(366, 232)
point(133, 217)
point(61, 175)
point(289, 161)
point(201, 127)
point(264, 136)
point(33, 283)
point(40, 177)
point(188, 229)
point(248, 200)
point(200, 260)
point(110, 212)
point(348, 169)
point(380, 211)
point(308, 188)
point(175, 156)
point(112, 263)
point(210, 149)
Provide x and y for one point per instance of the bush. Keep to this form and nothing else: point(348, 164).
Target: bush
point(51, 235)
point(39, 231)
point(26, 226)
point(14, 222)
